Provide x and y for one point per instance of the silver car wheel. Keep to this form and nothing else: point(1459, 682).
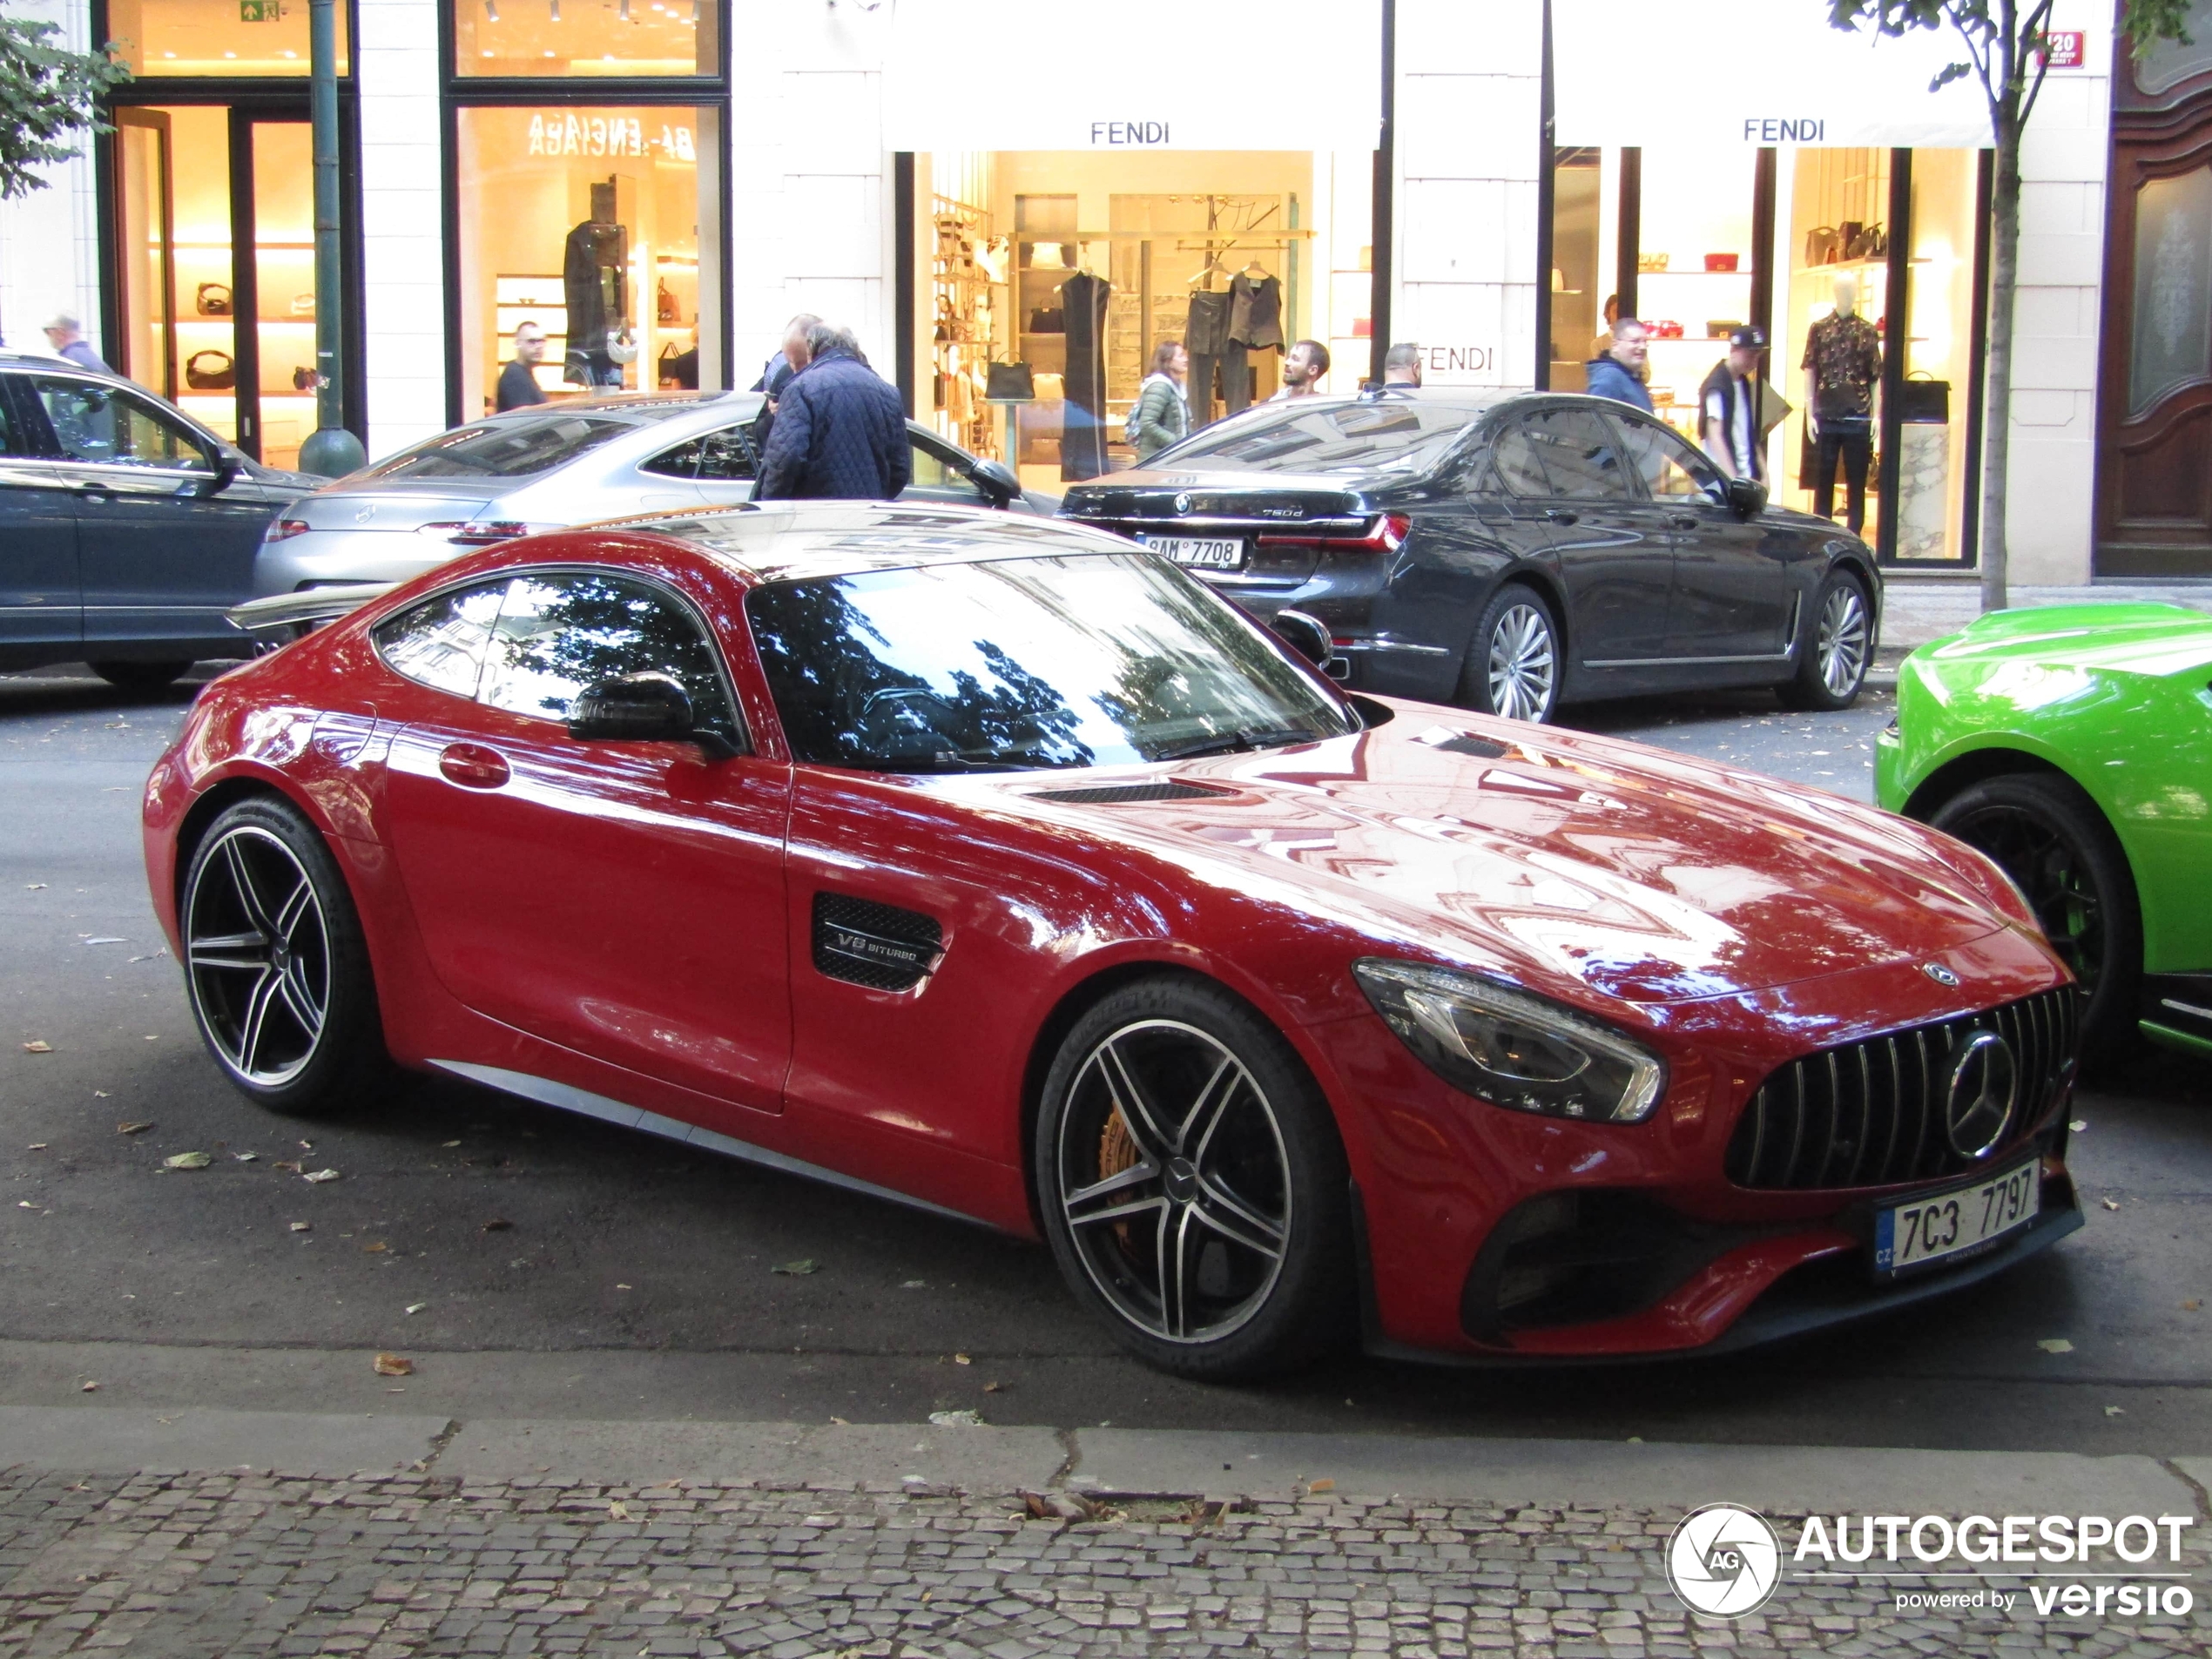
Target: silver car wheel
point(257, 956)
point(1174, 1182)
point(1523, 664)
point(1842, 644)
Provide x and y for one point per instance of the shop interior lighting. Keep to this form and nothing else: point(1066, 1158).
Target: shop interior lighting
point(622, 9)
point(491, 11)
point(557, 14)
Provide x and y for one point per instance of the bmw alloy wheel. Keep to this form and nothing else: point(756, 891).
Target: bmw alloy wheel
point(1174, 1182)
point(1841, 646)
point(1523, 662)
point(257, 955)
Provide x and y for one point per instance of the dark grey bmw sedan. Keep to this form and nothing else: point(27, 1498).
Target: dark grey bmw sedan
point(1507, 551)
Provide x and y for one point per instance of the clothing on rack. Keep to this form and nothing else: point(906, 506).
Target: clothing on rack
point(593, 267)
point(1255, 311)
point(1208, 331)
point(1236, 378)
point(1082, 441)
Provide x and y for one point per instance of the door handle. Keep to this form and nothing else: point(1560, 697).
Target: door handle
point(472, 766)
point(95, 492)
point(1560, 516)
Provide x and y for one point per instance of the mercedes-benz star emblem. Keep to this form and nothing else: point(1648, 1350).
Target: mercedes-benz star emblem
point(1940, 974)
point(1984, 1087)
point(363, 514)
point(1182, 503)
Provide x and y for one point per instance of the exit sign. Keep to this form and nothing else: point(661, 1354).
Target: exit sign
point(257, 11)
point(2062, 48)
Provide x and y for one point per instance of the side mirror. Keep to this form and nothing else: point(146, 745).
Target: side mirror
point(1747, 496)
point(996, 480)
point(1307, 635)
point(641, 708)
point(226, 473)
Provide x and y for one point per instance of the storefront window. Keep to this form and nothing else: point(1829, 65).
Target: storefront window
point(599, 229)
point(216, 36)
point(631, 38)
point(1078, 264)
point(1932, 463)
point(1694, 265)
point(1838, 252)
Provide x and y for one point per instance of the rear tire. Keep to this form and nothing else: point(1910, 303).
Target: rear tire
point(1192, 1185)
point(140, 677)
point(2045, 833)
point(1838, 648)
point(275, 965)
point(1515, 662)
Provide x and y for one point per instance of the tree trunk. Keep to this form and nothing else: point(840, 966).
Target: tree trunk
point(2004, 269)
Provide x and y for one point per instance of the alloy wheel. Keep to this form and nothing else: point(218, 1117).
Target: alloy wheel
point(2052, 876)
point(1174, 1181)
point(257, 950)
point(1523, 664)
point(1842, 644)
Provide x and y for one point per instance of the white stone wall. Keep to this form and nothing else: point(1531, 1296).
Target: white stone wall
point(402, 245)
point(1469, 108)
point(50, 243)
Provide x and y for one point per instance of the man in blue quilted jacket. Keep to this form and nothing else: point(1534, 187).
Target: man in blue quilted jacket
point(840, 432)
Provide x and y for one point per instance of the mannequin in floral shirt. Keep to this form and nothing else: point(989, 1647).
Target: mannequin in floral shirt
point(1843, 365)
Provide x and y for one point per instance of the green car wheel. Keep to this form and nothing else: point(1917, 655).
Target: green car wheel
point(2049, 837)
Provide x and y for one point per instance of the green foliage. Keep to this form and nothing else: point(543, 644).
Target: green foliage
point(2003, 39)
point(46, 93)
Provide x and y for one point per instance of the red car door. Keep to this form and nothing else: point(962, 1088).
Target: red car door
point(622, 899)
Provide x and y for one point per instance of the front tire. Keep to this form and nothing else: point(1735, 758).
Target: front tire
point(1515, 664)
point(140, 677)
point(1192, 1185)
point(1838, 650)
point(2045, 833)
point(275, 965)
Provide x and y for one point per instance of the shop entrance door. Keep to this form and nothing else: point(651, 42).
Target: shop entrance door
point(215, 266)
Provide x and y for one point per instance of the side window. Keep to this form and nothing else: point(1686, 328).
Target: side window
point(1670, 470)
point(726, 454)
point(559, 632)
point(99, 423)
point(930, 471)
point(14, 441)
point(440, 642)
point(1581, 456)
point(1518, 469)
point(682, 461)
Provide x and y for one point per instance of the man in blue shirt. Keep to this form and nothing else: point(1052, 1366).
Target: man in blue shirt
point(1617, 372)
point(65, 334)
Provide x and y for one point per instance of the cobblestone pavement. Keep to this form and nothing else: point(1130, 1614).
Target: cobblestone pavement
point(384, 1566)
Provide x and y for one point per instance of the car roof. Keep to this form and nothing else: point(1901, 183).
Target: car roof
point(783, 541)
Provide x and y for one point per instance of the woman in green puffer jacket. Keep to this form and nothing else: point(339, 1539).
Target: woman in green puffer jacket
point(1162, 415)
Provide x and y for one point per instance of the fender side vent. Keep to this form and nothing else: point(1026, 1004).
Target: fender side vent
point(1480, 748)
point(875, 945)
point(1126, 794)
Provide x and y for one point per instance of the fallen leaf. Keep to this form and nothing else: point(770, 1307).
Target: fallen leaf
point(994, 1388)
point(1322, 1484)
point(449, 1144)
point(2055, 1345)
point(497, 1225)
point(618, 1509)
point(25, 1203)
point(962, 1359)
point(107, 939)
point(37, 1047)
point(622, 1287)
point(957, 1420)
point(416, 1307)
point(804, 1265)
point(134, 1129)
point(321, 1175)
point(245, 1158)
point(2112, 1204)
point(915, 1284)
point(376, 1248)
point(1038, 1508)
point(187, 1161)
point(33, 886)
point(393, 1364)
point(307, 1146)
point(2115, 1411)
point(2079, 1125)
point(2191, 1305)
point(301, 1227)
point(150, 956)
point(153, 1036)
point(99, 1094)
point(279, 1164)
point(38, 1146)
point(88, 1388)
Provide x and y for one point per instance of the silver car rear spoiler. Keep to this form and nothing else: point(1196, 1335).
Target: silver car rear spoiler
point(282, 617)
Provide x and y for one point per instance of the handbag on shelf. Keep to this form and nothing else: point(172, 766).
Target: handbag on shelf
point(212, 300)
point(220, 373)
point(1823, 244)
point(1923, 400)
point(303, 304)
point(1866, 242)
point(1009, 383)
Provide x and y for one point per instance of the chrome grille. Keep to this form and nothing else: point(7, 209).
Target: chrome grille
point(1871, 1114)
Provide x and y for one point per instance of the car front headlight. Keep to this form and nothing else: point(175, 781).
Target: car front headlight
point(1513, 1050)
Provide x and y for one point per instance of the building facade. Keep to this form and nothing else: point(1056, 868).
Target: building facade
point(660, 184)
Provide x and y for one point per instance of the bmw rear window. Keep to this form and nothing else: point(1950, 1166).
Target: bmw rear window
point(502, 449)
point(1396, 432)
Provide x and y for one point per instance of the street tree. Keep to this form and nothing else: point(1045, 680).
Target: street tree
point(46, 93)
point(2007, 47)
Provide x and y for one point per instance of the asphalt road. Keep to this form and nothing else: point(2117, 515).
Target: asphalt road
point(530, 1263)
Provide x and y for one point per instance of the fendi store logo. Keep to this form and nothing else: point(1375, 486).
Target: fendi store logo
point(1129, 133)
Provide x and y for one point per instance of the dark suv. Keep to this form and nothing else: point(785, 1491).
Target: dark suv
point(126, 528)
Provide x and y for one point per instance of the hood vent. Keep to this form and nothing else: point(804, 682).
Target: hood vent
point(1480, 748)
point(875, 945)
point(1127, 794)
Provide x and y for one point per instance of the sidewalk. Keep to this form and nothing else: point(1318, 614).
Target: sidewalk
point(1916, 610)
point(545, 1537)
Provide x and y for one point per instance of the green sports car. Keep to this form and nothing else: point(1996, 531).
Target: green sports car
point(2074, 745)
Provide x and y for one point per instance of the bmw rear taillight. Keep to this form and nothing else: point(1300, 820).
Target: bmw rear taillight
point(1385, 534)
point(283, 529)
point(489, 533)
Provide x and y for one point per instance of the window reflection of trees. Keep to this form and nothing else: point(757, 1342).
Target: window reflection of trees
point(558, 635)
point(440, 642)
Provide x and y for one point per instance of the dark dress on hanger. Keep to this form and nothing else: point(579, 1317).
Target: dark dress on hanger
point(591, 277)
point(1082, 433)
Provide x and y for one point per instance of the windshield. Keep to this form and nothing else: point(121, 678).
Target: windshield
point(505, 448)
point(1382, 433)
point(1083, 660)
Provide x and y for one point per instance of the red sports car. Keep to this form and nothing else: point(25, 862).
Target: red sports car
point(999, 866)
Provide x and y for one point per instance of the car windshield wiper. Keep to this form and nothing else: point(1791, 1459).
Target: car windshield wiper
point(1242, 741)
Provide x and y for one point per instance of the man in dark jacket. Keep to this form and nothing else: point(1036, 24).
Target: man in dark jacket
point(841, 433)
point(1617, 372)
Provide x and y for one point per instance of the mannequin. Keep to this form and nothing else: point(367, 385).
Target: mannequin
point(1843, 365)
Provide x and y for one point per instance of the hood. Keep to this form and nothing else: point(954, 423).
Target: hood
point(2157, 640)
point(400, 504)
point(1638, 874)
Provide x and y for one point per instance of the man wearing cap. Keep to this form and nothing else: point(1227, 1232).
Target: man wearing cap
point(1729, 407)
point(65, 334)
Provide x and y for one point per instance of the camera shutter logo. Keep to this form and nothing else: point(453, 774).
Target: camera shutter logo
point(1984, 1087)
point(1723, 1560)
